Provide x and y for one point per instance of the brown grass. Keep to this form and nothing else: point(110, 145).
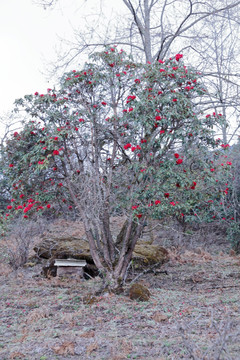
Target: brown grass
point(193, 312)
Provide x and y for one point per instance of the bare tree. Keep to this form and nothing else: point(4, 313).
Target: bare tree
point(151, 28)
point(218, 58)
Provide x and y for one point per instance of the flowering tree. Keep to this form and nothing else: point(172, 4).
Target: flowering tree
point(222, 192)
point(116, 138)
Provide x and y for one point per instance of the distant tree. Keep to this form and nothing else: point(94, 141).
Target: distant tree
point(218, 54)
point(151, 29)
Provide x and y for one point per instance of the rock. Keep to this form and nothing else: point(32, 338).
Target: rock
point(64, 248)
point(146, 254)
point(63, 241)
point(139, 292)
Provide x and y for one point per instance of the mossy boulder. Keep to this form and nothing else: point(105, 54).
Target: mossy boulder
point(139, 292)
point(146, 254)
point(67, 239)
point(62, 248)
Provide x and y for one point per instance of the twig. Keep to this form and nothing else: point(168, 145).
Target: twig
point(147, 271)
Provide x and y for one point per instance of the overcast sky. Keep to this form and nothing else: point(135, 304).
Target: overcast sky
point(28, 41)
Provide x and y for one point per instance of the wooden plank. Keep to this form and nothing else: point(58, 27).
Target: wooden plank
point(70, 262)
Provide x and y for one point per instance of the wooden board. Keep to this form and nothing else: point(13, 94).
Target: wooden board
point(70, 262)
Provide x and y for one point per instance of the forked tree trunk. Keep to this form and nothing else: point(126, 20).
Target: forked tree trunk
point(114, 273)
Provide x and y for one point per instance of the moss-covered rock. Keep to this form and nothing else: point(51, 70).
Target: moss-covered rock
point(64, 248)
point(139, 292)
point(146, 254)
point(68, 240)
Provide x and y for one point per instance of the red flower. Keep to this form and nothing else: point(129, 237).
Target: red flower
point(55, 152)
point(139, 216)
point(157, 202)
point(9, 207)
point(172, 203)
point(130, 98)
point(81, 120)
point(48, 206)
point(127, 146)
point(158, 118)
point(104, 103)
point(19, 207)
point(70, 207)
point(166, 195)
point(176, 155)
point(36, 93)
point(134, 207)
point(178, 57)
point(179, 161)
point(21, 196)
point(229, 163)
point(174, 100)
point(162, 131)
point(212, 170)
point(25, 216)
point(10, 165)
point(137, 81)
point(133, 148)
point(60, 184)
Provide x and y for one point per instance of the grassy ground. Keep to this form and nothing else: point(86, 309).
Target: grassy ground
point(193, 313)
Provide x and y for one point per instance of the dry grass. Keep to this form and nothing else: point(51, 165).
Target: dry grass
point(193, 313)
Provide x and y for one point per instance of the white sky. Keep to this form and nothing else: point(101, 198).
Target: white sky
point(28, 41)
point(29, 36)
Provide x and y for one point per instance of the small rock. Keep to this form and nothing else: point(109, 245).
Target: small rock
point(139, 292)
